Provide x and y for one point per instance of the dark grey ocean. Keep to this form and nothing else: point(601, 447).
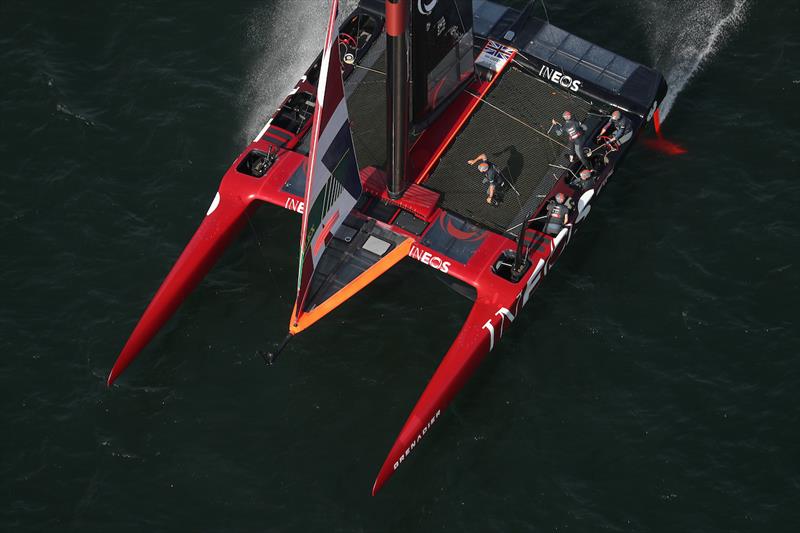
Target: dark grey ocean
point(653, 385)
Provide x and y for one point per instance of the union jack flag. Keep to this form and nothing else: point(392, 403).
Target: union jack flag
point(498, 50)
point(494, 56)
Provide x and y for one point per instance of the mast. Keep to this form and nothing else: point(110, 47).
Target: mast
point(397, 95)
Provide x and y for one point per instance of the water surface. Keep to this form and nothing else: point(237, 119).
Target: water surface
point(652, 385)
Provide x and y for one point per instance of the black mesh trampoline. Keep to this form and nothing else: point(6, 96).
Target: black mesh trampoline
point(501, 128)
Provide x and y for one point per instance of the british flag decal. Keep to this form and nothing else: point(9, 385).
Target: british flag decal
point(494, 56)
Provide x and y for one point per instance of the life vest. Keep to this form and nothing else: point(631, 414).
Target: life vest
point(493, 174)
point(573, 130)
point(586, 184)
point(556, 219)
point(620, 127)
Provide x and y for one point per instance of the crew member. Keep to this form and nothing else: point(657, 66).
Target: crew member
point(619, 125)
point(585, 179)
point(574, 129)
point(491, 175)
point(557, 215)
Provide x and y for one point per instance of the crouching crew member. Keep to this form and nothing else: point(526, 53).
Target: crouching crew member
point(619, 125)
point(574, 129)
point(557, 215)
point(585, 180)
point(491, 175)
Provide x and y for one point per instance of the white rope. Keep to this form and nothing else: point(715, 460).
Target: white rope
point(530, 220)
point(512, 117)
point(356, 65)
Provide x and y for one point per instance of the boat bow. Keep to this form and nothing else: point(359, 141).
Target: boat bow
point(473, 342)
point(223, 221)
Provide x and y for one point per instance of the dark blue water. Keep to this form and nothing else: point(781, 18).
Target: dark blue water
point(652, 385)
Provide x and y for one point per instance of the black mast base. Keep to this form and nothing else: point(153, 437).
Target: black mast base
point(271, 357)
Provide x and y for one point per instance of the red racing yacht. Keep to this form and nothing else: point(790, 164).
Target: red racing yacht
point(373, 148)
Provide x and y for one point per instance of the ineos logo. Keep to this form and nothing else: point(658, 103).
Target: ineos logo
point(560, 78)
point(426, 9)
point(429, 259)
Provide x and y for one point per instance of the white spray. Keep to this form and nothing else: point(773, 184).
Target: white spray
point(681, 47)
point(285, 36)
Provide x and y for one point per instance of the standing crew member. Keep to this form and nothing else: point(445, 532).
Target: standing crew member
point(557, 215)
point(491, 175)
point(574, 129)
point(619, 126)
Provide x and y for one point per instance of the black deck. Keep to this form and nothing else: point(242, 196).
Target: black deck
point(345, 258)
point(521, 153)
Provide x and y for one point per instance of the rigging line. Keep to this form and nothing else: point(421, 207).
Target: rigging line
point(261, 250)
point(508, 181)
point(503, 177)
point(551, 149)
point(527, 221)
point(356, 65)
point(564, 168)
point(458, 11)
point(358, 32)
point(546, 16)
point(543, 134)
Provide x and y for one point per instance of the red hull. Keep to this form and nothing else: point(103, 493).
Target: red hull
point(498, 303)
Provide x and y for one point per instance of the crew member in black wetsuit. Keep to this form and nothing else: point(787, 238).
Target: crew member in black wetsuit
point(557, 215)
point(574, 129)
point(619, 125)
point(585, 180)
point(491, 175)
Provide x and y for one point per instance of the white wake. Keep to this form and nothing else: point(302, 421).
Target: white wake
point(284, 37)
point(685, 34)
